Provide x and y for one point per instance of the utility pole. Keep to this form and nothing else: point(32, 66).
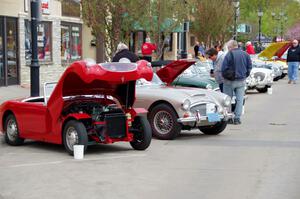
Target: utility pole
point(34, 67)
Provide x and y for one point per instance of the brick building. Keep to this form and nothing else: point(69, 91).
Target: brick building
point(62, 39)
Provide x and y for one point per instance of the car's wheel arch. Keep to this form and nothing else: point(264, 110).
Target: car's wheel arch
point(5, 115)
point(161, 102)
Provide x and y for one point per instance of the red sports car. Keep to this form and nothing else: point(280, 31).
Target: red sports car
point(91, 103)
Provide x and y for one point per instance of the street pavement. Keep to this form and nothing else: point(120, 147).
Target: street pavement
point(256, 160)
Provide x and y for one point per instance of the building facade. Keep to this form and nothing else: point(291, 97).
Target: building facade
point(62, 39)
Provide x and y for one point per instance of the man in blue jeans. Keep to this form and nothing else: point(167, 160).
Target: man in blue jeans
point(293, 59)
point(239, 62)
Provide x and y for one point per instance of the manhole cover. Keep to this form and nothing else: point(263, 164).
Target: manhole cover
point(277, 124)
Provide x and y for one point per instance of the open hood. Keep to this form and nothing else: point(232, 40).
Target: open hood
point(275, 49)
point(172, 70)
point(114, 79)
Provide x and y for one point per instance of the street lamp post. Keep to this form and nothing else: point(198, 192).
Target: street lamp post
point(275, 29)
point(183, 41)
point(236, 4)
point(259, 14)
point(280, 18)
point(34, 67)
point(281, 14)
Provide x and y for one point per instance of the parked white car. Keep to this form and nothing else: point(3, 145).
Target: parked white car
point(260, 79)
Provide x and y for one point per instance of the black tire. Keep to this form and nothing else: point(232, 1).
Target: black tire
point(262, 90)
point(79, 130)
point(171, 117)
point(11, 131)
point(214, 129)
point(142, 133)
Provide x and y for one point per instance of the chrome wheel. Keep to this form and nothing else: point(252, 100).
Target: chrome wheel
point(163, 122)
point(74, 133)
point(71, 137)
point(12, 130)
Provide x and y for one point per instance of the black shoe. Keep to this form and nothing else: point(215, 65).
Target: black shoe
point(230, 121)
point(237, 121)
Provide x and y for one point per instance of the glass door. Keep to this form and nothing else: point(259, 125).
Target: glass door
point(2, 82)
point(12, 51)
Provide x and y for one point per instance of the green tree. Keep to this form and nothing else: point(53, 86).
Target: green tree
point(162, 18)
point(112, 20)
point(271, 25)
point(212, 20)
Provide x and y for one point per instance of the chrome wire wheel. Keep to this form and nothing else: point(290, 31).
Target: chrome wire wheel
point(163, 122)
point(71, 137)
point(12, 130)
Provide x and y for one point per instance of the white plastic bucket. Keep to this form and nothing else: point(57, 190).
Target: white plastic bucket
point(78, 152)
point(270, 91)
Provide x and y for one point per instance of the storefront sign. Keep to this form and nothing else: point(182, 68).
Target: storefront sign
point(45, 6)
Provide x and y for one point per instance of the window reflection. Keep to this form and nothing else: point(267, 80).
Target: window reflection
point(71, 46)
point(44, 41)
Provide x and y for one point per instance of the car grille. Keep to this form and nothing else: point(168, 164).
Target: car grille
point(259, 76)
point(115, 125)
point(201, 108)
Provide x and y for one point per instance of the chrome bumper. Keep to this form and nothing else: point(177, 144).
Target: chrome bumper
point(204, 118)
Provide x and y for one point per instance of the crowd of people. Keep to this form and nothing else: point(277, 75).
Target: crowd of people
point(230, 70)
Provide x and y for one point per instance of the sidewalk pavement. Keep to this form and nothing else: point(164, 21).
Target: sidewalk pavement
point(13, 92)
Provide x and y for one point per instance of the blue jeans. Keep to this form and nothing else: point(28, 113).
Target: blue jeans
point(221, 87)
point(293, 70)
point(236, 88)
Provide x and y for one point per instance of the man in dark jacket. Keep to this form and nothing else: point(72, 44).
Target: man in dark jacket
point(293, 60)
point(123, 54)
point(238, 61)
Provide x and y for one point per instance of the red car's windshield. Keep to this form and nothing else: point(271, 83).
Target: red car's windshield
point(119, 67)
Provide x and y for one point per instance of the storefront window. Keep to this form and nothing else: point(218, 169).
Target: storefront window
point(44, 41)
point(71, 42)
point(71, 8)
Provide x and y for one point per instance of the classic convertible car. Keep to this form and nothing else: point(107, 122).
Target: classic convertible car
point(276, 67)
point(260, 79)
point(172, 109)
point(91, 103)
point(198, 76)
point(277, 52)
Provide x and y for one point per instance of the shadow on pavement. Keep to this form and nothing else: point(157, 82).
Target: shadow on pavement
point(43, 147)
point(191, 135)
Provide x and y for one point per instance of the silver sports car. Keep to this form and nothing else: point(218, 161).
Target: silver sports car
point(172, 109)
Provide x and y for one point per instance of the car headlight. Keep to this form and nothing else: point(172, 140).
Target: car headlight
point(227, 101)
point(209, 86)
point(186, 105)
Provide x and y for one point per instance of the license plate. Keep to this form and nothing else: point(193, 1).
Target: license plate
point(213, 117)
